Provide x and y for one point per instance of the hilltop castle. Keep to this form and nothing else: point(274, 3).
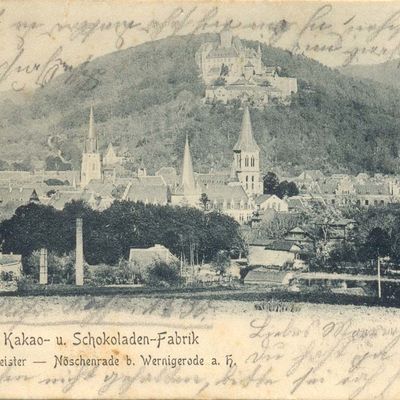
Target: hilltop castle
point(232, 71)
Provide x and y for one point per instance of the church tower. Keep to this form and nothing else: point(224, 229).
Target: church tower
point(246, 158)
point(188, 192)
point(91, 161)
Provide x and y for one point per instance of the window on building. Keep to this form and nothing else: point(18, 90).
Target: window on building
point(382, 202)
point(366, 202)
point(333, 201)
point(253, 161)
point(247, 178)
point(375, 202)
point(246, 161)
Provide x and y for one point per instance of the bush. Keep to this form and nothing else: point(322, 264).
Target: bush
point(25, 283)
point(7, 276)
point(61, 269)
point(163, 274)
point(221, 262)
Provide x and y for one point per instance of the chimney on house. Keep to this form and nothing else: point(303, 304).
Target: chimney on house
point(79, 253)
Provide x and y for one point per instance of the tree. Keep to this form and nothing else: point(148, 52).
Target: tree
point(4, 166)
point(221, 262)
point(377, 244)
point(55, 163)
point(270, 182)
point(286, 189)
point(204, 200)
point(224, 70)
point(109, 235)
point(24, 165)
point(162, 274)
point(275, 225)
point(118, 192)
point(61, 269)
point(55, 182)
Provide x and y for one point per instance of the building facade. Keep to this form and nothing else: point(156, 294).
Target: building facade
point(233, 71)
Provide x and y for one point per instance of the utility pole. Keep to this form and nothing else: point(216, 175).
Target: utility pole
point(379, 278)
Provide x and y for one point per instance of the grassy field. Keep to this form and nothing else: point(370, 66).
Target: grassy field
point(239, 293)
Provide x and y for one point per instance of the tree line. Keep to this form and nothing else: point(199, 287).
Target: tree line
point(108, 235)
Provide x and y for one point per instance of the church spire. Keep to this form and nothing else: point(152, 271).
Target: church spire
point(187, 183)
point(91, 142)
point(259, 50)
point(246, 140)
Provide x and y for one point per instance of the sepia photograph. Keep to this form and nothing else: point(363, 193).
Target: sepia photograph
point(199, 199)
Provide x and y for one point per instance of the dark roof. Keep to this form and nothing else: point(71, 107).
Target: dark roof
point(258, 241)
point(59, 200)
point(261, 198)
point(13, 194)
point(228, 193)
point(342, 222)
point(147, 193)
point(223, 52)
point(213, 178)
point(282, 245)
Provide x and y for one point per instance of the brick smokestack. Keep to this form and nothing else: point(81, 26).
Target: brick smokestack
point(43, 267)
point(79, 253)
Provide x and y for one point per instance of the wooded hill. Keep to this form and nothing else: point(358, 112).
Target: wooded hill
point(147, 98)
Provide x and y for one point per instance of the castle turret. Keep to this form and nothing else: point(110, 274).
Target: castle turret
point(91, 161)
point(246, 155)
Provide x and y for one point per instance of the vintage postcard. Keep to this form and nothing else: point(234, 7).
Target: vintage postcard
point(199, 200)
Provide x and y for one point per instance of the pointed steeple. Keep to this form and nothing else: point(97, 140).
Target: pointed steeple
point(91, 142)
point(246, 140)
point(187, 181)
point(110, 152)
point(259, 50)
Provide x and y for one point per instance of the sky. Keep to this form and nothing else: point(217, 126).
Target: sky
point(41, 39)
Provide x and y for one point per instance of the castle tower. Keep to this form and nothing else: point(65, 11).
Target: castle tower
point(226, 37)
point(91, 161)
point(246, 154)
